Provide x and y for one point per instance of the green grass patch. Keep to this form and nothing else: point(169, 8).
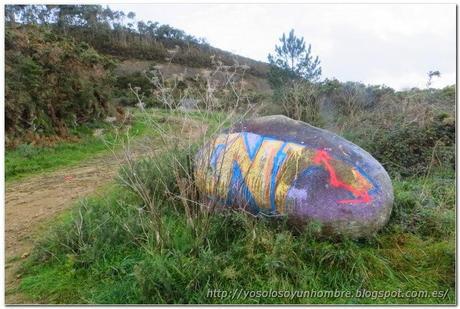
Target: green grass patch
point(27, 160)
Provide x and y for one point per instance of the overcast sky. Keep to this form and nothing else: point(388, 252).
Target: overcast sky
point(391, 44)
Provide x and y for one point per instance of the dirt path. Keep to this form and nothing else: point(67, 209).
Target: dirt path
point(31, 202)
point(34, 201)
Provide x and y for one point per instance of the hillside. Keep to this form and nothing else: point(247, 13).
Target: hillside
point(44, 43)
point(41, 58)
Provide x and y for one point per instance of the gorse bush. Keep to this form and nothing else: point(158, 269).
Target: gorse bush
point(52, 83)
point(411, 149)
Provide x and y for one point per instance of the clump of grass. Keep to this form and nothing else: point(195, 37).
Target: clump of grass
point(426, 206)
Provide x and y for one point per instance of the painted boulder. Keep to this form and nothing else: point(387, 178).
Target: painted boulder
point(276, 166)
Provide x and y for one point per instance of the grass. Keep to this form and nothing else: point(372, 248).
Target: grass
point(122, 249)
point(27, 160)
point(116, 261)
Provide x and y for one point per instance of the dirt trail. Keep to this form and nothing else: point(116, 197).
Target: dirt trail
point(34, 201)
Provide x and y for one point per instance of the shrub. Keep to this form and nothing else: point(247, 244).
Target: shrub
point(136, 79)
point(448, 93)
point(300, 100)
point(52, 84)
point(411, 149)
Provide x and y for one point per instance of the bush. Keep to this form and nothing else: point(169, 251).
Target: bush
point(411, 149)
point(349, 98)
point(300, 100)
point(52, 84)
point(136, 79)
point(425, 207)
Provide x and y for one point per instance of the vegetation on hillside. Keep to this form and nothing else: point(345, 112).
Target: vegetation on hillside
point(60, 60)
point(410, 132)
point(116, 33)
point(53, 84)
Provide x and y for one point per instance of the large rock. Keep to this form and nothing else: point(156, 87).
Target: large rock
point(277, 166)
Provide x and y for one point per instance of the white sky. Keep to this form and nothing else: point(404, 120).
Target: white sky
point(391, 44)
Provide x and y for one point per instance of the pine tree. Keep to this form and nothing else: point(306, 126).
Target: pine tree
point(293, 60)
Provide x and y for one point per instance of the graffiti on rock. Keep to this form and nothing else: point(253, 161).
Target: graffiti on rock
point(266, 175)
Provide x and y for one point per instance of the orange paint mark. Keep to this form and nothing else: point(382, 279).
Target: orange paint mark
point(362, 196)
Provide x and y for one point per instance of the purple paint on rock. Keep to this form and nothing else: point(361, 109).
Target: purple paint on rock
point(312, 197)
